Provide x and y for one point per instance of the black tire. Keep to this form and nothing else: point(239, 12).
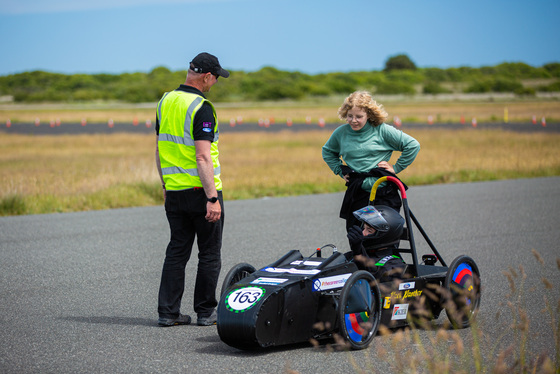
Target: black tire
point(461, 298)
point(236, 273)
point(359, 309)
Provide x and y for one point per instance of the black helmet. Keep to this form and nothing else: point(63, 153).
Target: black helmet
point(387, 222)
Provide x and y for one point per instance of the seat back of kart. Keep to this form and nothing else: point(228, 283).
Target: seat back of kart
point(404, 235)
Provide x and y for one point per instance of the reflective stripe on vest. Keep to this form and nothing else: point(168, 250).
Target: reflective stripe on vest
point(176, 144)
point(179, 170)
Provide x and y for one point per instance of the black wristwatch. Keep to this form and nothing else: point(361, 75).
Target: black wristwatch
point(212, 199)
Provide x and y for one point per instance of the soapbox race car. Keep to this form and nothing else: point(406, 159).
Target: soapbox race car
point(296, 299)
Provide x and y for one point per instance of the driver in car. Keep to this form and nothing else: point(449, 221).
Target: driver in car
point(374, 244)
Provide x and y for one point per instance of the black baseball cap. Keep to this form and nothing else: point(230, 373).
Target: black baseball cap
point(207, 63)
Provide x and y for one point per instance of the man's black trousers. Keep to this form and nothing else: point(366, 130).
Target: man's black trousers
point(185, 212)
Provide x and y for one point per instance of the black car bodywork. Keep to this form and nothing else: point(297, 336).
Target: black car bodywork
point(296, 298)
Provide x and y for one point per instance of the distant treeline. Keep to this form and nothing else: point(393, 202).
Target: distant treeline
point(400, 76)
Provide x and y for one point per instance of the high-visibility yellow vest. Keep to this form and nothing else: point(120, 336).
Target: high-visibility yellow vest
point(177, 154)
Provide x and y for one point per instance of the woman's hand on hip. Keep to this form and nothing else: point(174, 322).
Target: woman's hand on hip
point(387, 166)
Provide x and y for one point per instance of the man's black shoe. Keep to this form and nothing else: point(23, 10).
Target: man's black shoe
point(183, 319)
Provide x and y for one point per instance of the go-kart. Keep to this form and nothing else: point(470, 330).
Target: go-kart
point(296, 299)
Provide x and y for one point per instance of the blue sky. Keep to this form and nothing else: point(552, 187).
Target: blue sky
point(310, 36)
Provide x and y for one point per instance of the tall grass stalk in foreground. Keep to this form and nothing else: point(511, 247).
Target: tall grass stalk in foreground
point(471, 350)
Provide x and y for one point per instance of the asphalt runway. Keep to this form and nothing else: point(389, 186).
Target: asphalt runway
point(104, 128)
point(79, 290)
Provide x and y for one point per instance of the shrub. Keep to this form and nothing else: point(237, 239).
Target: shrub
point(479, 86)
point(553, 87)
point(399, 62)
point(553, 69)
point(525, 91)
point(395, 87)
point(505, 85)
point(434, 88)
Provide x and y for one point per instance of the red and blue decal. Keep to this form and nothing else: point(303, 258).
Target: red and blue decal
point(353, 321)
point(462, 274)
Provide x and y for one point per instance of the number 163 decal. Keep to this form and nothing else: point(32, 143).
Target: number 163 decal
point(242, 299)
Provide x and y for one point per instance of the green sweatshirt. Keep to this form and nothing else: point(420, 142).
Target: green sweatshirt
point(362, 150)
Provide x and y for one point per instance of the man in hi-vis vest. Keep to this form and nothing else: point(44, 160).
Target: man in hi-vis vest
point(187, 162)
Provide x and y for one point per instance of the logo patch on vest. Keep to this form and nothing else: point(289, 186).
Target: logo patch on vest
point(207, 126)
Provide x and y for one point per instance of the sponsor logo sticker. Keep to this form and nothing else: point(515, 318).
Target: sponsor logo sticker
point(304, 272)
point(387, 302)
point(329, 283)
point(414, 293)
point(400, 311)
point(307, 263)
point(292, 271)
point(407, 294)
point(269, 281)
point(406, 286)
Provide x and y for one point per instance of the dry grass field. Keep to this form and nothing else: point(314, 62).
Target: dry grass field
point(408, 111)
point(43, 174)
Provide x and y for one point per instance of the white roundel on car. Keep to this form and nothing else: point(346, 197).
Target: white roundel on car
point(242, 299)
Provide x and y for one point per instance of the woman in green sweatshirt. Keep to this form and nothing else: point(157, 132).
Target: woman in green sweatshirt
point(365, 143)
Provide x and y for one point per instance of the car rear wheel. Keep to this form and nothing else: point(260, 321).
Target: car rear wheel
point(461, 298)
point(359, 310)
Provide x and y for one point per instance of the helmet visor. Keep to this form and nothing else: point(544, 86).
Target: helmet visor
point(372, 217)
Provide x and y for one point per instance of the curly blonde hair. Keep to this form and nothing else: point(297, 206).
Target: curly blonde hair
point(376, 114)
